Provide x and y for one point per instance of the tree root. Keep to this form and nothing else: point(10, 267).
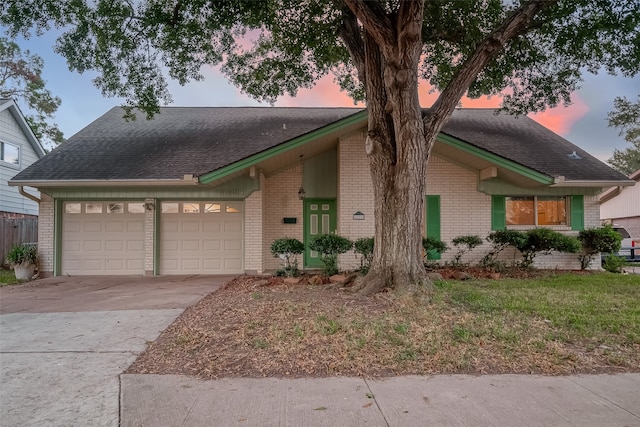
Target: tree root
point(376, 281)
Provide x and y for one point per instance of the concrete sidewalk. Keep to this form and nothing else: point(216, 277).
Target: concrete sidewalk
point(443, 400)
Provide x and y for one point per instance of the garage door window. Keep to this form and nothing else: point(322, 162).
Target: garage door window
point(191, 208)
point(169, 208)
point(233, 208)
point(212, 208)
point(73, 208)
point(136, 208)
point(115, 208)
point(93, 208)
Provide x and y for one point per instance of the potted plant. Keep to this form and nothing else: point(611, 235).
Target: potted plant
point(23, 259)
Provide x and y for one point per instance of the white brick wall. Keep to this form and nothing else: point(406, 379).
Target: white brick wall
point(46, 235)
point(149, 225)
point(253, 230)
point(355, 194)
point(463, 209)
point(281, 200)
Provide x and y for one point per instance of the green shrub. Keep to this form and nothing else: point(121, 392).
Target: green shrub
point(613, 263)
point(288, 249)
point(463, 245)
point(596, 240)
point(330, 246)
point(23, 254)
point(364, 248)
point(433, 247)
point(543, 241)
point(500, 240)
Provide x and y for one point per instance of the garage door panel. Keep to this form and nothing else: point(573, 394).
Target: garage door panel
point(105, 242)
point(92, 226)
point(135, 245)
point(135, 227)
point(211, 245)
point(208, 237)
point(92, 245)
point(114, 226)
point(212, 226)
point(73, 227)
point(114, 245)
point(190, 245)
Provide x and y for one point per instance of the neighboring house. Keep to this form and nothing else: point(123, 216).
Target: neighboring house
point(19, 148)
point(207, 190)
point(621, 205)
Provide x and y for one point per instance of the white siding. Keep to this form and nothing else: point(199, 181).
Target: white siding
point(624, 205)
point(10, 199)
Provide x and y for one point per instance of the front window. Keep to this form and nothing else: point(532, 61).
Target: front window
point(532, 210)
point(9, 153)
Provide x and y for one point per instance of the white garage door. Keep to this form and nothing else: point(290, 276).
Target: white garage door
point(201, 238)
point(103, 238)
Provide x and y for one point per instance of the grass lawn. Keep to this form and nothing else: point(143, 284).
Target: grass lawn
point(7, 277)
point(558, 324)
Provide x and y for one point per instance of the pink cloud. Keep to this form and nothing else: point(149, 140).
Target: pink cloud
point(326, 93)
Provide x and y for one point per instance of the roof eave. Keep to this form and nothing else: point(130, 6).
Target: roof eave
point(188, 180)
point(561, 183)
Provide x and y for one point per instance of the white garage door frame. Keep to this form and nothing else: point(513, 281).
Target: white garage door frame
point(103, 238)
point(200, 237)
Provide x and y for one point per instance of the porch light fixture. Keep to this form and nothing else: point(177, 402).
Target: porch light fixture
point(301, 192)
point(149, 206)
point(358, 215)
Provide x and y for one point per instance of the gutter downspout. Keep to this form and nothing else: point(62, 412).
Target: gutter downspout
point(28, 195)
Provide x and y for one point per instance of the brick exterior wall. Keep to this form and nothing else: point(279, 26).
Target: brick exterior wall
point(149, 235)
point(281, 200)
point(46, 222)
point(463, 209)
point(253, 231)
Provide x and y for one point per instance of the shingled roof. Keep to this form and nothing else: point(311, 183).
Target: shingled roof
point(179, 141)
point(198, 140)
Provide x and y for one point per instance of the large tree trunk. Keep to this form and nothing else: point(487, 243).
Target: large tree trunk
point(397, 152)
point(386, 48)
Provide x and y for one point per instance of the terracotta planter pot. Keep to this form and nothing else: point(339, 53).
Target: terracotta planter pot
point(24, 272)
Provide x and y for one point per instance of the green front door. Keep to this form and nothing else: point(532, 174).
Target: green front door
point(319, 219)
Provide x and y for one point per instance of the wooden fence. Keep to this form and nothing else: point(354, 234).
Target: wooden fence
point(14, 231)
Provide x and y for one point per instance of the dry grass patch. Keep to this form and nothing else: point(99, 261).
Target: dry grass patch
point(300, 331)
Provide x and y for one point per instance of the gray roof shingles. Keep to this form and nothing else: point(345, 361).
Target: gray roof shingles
point(198, 140)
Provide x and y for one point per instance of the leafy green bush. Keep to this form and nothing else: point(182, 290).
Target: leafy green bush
point(433, 246)
point(543, 241)
point(330, 246)
point(596, 240)
point(613, 263)
point(463, 245)
point(23, 254)
point(288, 249)
point(500, 240)
point(364, 247)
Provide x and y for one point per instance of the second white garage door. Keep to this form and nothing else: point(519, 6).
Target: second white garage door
point(201, 237)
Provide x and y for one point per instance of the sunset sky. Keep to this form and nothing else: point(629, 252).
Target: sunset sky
point(583, 123)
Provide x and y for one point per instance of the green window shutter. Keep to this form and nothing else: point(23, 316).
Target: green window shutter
point(498, 213)
point(433, 221)
point(577, 212)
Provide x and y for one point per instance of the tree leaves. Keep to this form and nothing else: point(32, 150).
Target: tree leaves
point(21, 79)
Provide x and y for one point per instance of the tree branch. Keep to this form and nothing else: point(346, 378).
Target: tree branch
point(374, 20)
point(518, 23)
point(351, 35)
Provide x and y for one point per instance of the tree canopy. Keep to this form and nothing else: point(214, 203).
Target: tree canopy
point(21, 79)
point(272, 47)
point(626, 118)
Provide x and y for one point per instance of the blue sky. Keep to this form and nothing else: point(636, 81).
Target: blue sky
point(584, 123)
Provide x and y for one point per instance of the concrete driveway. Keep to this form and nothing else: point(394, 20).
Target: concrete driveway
point(65, 340)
